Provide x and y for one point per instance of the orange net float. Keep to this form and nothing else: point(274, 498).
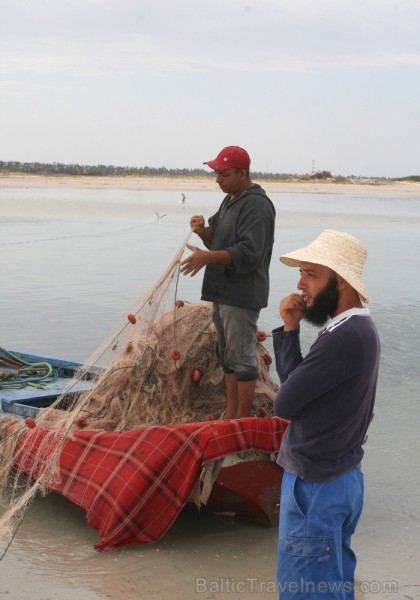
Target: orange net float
point(30, 423)
point(132, 318)
point(175, 354)
point(261, 335)
point(179, 303)
point(268, 359)
point(196, 375)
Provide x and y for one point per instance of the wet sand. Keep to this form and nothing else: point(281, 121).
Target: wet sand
point(202, 556)
point(202, 183)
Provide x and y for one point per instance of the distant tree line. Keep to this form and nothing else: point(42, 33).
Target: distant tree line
point(410, 178)
point(76, 169)
point(99, 170)
point(338, 178)
point(102, 170)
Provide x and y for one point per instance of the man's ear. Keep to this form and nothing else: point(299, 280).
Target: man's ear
point(342, 283)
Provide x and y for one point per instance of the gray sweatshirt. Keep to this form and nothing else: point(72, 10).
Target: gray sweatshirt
point(245, 228)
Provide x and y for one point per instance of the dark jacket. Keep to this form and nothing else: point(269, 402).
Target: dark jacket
point(245, 228)
point(328, 396)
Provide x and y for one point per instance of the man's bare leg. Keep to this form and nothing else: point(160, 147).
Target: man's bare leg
point(231, 389)
point(246, 391)
point(239, 397)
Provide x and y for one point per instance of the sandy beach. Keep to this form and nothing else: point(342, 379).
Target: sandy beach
point(203, 183)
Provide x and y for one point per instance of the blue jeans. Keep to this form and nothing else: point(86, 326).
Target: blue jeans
point(317, 520)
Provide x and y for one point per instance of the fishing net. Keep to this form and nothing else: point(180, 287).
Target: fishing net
point(156, 367)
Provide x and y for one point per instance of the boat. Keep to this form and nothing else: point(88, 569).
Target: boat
point(133, 484)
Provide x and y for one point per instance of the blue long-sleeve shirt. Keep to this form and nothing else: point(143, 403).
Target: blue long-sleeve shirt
point(328, 396)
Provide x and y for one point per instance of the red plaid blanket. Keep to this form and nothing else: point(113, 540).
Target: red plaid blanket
point(133, 484)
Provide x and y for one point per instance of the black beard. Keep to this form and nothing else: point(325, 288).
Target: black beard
point(324, 304)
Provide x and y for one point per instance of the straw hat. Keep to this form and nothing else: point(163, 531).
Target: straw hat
point(339, 251)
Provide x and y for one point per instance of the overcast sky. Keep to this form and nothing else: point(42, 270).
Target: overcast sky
point(299, 83)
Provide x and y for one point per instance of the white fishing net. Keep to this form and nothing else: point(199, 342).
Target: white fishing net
point(157, 366)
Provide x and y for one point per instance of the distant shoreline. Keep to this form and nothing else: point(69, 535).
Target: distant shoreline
point(203, 183)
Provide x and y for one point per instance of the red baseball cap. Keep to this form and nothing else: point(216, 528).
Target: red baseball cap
point(231, 156)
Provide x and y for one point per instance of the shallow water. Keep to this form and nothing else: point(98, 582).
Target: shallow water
point(75, 260)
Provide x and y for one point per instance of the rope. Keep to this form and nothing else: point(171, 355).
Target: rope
point(22, 373)
point(89, 235)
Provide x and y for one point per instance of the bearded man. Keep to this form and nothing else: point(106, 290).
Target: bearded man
point(328, 396)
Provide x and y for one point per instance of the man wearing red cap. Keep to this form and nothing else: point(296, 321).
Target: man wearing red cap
point(239, 240)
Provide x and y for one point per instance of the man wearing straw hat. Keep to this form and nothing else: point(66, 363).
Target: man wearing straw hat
point(328, 396)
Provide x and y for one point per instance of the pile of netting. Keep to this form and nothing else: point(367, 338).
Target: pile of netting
point(156, 367)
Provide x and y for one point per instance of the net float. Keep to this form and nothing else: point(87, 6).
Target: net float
point(81, 422)
point(175, 354)
point(196, 375)
point(179, 303)
point(261, 411)
point(268, 359)
point(30, 422)
point(212, 418)
point(132, 318)
point(261, 335)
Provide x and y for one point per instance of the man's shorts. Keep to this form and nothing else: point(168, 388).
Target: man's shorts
point(236, 329)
